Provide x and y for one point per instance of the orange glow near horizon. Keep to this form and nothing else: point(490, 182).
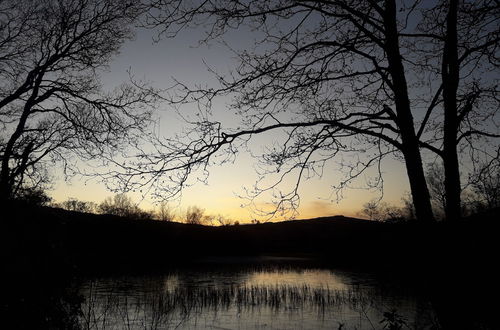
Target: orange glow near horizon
point(220, 199)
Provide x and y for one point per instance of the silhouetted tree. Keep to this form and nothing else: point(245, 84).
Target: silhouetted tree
point(485, 184)
point(435, 180)
point(35, 196)
point(381, 211)
point(459, 49)
point(194, 215)
point(73, 204)
point(482, 189)
point(222, 220)
point(164, 212)
point(352, 79)
point(52, 107)
point(371, 210)
point(121, 205)
point(408, 210)
point(329, 74)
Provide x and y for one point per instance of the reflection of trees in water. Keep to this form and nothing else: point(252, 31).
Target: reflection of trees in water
point(114, 308)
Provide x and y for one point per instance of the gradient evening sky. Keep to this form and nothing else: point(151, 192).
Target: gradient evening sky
point(181, 58)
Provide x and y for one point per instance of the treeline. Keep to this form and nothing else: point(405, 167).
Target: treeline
point(124, 206)
point(481, 193)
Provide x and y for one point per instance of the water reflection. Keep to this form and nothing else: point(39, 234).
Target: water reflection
point(258, 298)
point(312, 278)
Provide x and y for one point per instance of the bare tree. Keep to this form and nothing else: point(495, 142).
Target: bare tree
point(372, 211)
point(382, 211)
point(52, 107)
point(407, 209)
point(482, 189)
point(165, 212)
point(73, 204)
point(194, 215)
point(485, 184)
point(221, 220)
point(350, 79)
point(33, 196)
point(460, 52)
point(121, 205)
point(329, 75)
point(435, 178)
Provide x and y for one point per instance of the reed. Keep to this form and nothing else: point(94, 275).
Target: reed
point(165, 309)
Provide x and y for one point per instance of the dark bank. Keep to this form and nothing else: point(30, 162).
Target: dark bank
point(45, 251)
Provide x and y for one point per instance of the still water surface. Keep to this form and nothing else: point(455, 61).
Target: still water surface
point(269, 296)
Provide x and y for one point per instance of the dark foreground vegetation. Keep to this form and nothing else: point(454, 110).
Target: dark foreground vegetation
point(448, 259)
point(45, 237)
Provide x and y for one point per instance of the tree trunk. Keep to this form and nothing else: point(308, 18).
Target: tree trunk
point(5, 187)
point(5, 190)
point(419, 191)
point(411, 150)
point(6, 176)
point(450, 76)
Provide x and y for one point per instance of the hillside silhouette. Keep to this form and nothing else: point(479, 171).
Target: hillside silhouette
point(48, 238)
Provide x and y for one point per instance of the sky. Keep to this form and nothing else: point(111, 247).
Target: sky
point(183, 59)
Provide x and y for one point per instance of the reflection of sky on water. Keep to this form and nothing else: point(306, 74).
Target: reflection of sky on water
point(313, 278)
point(248, 298)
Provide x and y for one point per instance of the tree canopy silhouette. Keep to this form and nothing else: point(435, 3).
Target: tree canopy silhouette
point(52, 104)
point(346, 79)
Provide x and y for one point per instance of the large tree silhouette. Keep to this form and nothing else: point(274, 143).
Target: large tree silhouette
point(52, 106)
point(462, 38)
point(368, 77)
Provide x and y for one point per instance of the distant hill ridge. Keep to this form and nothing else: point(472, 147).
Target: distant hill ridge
point(49, 237)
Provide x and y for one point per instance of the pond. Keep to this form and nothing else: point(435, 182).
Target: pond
point(268, 294)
